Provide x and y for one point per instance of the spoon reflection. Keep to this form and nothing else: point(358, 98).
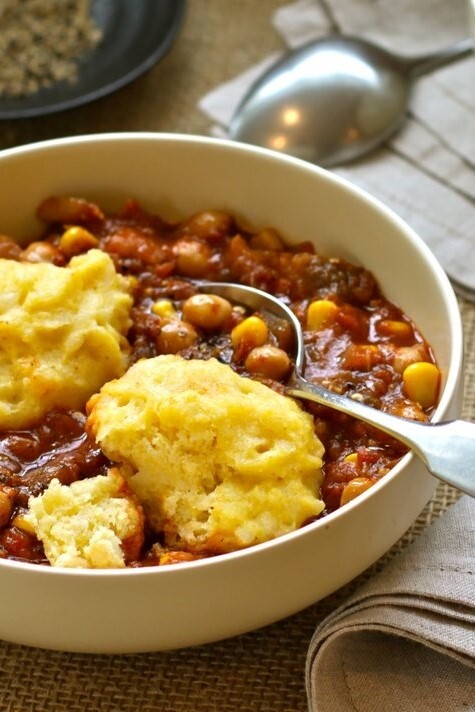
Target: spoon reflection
point(333, 100)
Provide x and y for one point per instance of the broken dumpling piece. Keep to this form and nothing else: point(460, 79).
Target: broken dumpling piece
point(62, 334)
point(93, 523)
point(219, 461)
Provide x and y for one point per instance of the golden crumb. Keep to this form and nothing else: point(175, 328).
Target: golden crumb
point(218, 461)
point(93, 523)
point(62, 334)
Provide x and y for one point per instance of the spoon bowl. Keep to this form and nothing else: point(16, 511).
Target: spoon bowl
point(333, 100)
point(447, 449)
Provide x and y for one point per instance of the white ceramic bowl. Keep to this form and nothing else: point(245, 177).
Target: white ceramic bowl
point(193, 603)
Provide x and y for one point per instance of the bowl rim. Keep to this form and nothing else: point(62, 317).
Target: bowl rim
point(345, 185)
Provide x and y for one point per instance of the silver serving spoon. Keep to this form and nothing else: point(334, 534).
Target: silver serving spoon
point(334, 99)
point(447, 449)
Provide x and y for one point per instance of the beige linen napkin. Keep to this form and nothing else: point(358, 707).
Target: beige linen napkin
point(406, 639)
point(426, 173)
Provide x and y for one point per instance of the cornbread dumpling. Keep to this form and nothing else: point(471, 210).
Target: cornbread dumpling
point(62, 334)
point(93, 523)
point(218, 461)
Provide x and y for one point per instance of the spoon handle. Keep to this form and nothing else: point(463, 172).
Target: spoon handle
point(447, 449)
point(418, 66)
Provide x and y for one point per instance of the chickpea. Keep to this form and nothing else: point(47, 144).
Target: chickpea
point(62, 209)
point(405, 355)
point(192, 258)
point(267, 239)
point(209, 224)
point(9, 249)
point(207, 311)
point(40, 252)
point(268, 361)
point(410, 411)
point(175, 336)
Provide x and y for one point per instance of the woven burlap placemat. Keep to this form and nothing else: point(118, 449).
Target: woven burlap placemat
point(261, 671)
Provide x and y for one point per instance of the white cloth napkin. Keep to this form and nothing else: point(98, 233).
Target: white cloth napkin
point(426, 173)
point(406, 640)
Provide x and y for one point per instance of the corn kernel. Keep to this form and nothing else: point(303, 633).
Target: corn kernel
point(253, 331)
point(355, 488)
point(421, 383)
point(22, 523)
point(176, 557)
point(352, 457)
point(164, 309)
point(321, 314)
point(395, 328)
point(77, 239)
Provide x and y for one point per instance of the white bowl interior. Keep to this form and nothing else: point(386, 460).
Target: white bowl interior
point(205, 601)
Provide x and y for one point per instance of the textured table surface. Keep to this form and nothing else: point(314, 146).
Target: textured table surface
point(261, 671)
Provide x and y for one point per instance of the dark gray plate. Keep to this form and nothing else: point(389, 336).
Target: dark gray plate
point(136, 34)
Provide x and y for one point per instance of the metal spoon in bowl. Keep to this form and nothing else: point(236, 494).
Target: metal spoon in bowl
point(333, 100)
point(447, 449)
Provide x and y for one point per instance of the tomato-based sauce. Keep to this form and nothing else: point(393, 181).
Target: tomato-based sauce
point(357, 343)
